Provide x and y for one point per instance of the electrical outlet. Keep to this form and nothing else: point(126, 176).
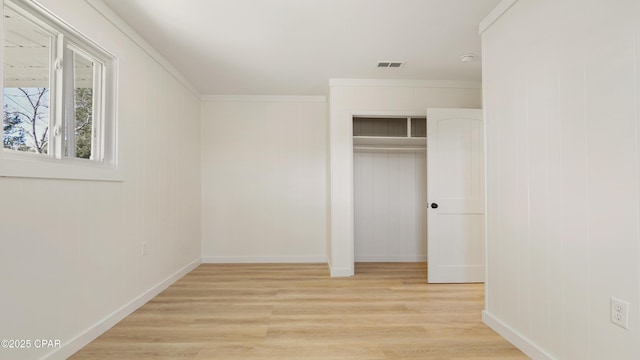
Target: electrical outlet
point(145, 248)
point(620, 313)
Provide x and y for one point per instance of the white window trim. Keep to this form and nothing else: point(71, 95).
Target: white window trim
point(107, 166)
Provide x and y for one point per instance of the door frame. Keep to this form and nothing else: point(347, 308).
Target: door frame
point(371, 113)
point(361, 96)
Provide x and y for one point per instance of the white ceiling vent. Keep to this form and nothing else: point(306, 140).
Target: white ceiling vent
point(390, 64)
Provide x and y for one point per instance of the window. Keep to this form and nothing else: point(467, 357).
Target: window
point(58, 93)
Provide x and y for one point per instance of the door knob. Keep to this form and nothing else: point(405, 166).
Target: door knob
point(434, 205)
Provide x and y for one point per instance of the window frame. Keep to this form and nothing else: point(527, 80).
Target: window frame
point(104, 164)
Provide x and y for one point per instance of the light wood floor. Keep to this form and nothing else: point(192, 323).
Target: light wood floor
point(277, 311)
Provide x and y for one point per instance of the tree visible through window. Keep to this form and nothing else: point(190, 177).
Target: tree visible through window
point(13, 133)
point(26, 119)
point(81, 138)
point(84, 121)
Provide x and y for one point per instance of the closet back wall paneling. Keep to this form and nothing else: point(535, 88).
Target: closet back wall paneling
point(390, 202)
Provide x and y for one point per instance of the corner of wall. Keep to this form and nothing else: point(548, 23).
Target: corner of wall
point(339, 272)
point(81, 340)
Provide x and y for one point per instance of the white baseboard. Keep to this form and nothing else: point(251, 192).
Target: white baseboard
point(262, 259)
point(84, 338)
point(391, 258)
point(518, 340)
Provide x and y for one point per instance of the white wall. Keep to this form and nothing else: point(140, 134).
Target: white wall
point(390, 205)
point(71, 250)
point(264, 179)
point(561, 90)
point(380, 97)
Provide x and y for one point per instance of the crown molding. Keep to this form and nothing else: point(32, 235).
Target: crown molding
point(263, 98)
point(121, 25)
point(495, 14)
point(405, 83)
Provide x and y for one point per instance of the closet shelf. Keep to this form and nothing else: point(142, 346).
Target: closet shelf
point(389, 141)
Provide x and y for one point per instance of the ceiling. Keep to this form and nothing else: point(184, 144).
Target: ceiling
point(293, 47)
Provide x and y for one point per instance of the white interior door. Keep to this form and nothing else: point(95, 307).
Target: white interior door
point(455, 195)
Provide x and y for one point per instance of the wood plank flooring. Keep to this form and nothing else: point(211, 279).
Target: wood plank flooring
point(285, 311)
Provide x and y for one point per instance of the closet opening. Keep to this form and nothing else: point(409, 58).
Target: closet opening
point(390, 178)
